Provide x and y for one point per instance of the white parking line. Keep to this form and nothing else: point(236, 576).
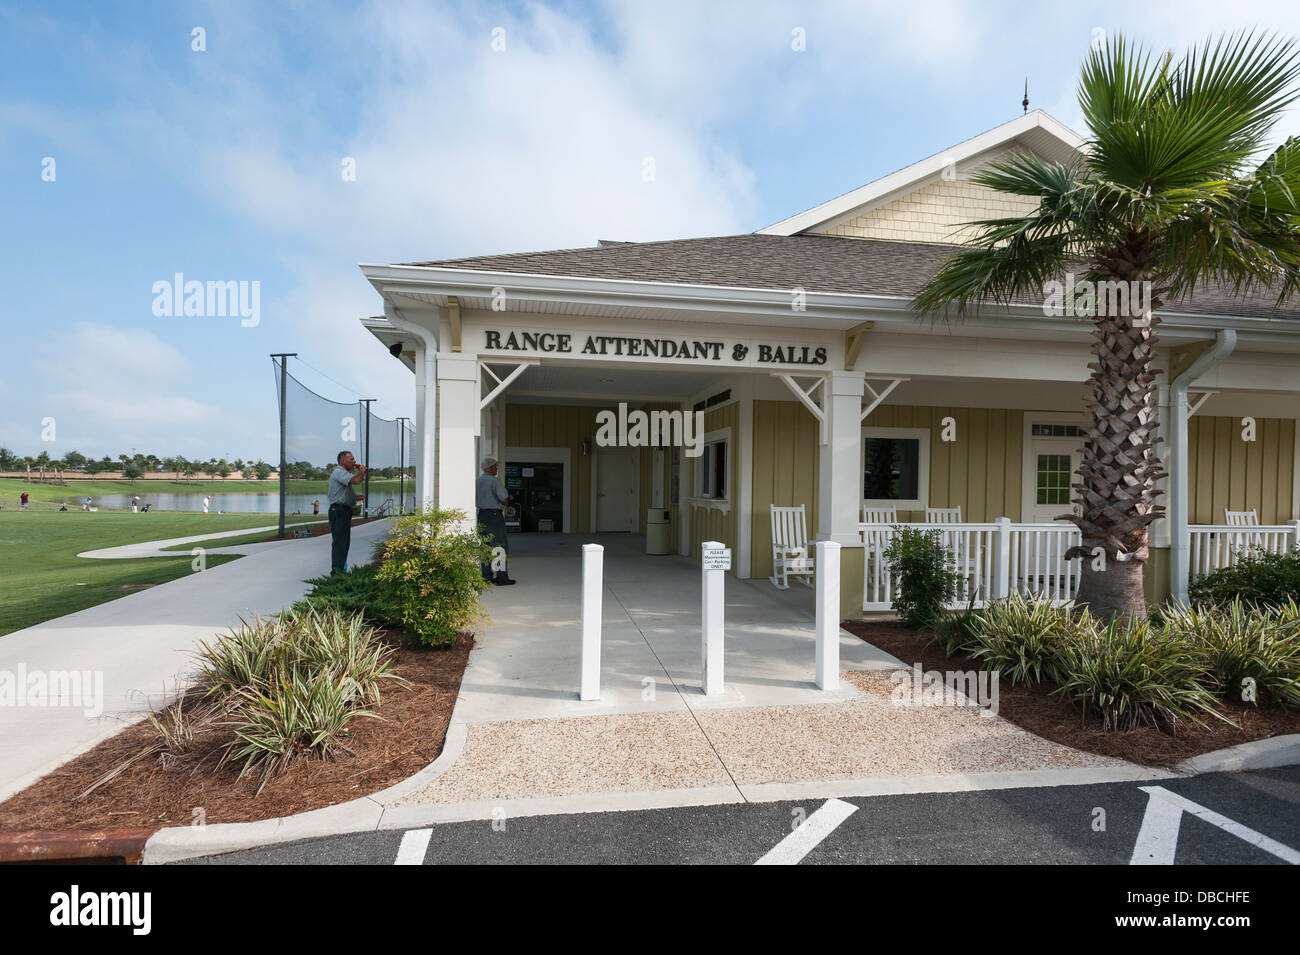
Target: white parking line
point(791, 849)
point(1157, 841)
point(415, 843)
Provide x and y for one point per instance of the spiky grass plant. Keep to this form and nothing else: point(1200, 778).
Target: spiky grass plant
point(1135, 675)
point(1022, 638)
point(1252, 654)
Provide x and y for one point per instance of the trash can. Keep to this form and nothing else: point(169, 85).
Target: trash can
point(659, 531)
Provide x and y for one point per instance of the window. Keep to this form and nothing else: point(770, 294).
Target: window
point(1045, 430)
point(1052, 479)
point(711, 467)
point(896, 467)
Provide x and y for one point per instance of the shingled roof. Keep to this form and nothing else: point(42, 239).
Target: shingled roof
point(815, 263)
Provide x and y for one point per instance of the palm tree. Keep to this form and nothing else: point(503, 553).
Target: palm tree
point(1166, 193)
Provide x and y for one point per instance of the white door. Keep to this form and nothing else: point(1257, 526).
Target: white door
point(616, 488)
point(1051, 470)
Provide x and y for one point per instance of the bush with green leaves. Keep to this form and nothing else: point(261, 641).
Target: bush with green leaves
point(1257, 577)
point(1135, 676)
point(356, 591)
point(926, 579)
point(954, 630)
point(1022, 637)
point(274, 691)
point(1251, 654)
point(430, 576)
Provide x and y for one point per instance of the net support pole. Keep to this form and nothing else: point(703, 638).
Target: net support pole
point(284, 382)
point(401, 464)
point(365, 481)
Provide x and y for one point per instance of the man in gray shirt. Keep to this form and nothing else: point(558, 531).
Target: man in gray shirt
point(342, 499)
point(489, 498)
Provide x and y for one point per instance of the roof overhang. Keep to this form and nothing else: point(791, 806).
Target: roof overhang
point(431, 287)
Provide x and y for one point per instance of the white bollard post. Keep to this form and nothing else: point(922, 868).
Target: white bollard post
point(1001, 559)
point(714, 563)
point(828, 615)
point(593, 571)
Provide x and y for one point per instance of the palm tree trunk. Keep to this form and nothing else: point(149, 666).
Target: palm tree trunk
point(1120, 467)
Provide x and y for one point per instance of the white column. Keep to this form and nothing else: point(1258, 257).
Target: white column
point(593, 569)
point(711, 623)
point(840, 499)
point(828, 615)
point(458, 398)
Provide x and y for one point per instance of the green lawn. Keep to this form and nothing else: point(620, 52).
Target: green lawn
point(41, 577)
point(76, 489)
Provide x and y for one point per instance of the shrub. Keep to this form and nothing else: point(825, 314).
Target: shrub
point(1243, 647)
point(926, 579)
point(1134, 676)
point(1022, 638)
point(290, 686)
point(954, 631)
point(430, 574)
point(1258, 577)
point(355, 592)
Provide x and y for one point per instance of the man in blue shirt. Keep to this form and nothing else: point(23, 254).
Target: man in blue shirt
point(342, 499)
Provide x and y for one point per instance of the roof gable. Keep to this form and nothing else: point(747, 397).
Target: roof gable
point(942, 177)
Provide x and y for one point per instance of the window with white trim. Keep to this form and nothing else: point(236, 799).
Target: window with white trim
point(711, 470)
point(896, 468)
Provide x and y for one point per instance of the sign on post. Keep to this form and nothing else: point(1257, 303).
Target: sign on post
point(715, 561)
point(593, 567)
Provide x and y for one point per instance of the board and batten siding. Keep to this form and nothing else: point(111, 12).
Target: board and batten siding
point(981, 471)
point(708, 522)
point(786, 468)
point(1230, 473)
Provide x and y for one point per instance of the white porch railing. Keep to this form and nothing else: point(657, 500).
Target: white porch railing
point(993, 560)
point(1215, 546)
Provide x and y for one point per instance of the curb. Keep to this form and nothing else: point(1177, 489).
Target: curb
point(368, 813)
point(1258, 754)
point(98, 846)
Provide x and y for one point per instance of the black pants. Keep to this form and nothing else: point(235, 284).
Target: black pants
point(341, 536)
point(492, 522)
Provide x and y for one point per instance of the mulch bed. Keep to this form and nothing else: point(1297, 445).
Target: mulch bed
point(1033, 708)
point(408, 738)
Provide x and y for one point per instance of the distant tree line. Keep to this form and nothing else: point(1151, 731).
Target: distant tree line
point(133, 466)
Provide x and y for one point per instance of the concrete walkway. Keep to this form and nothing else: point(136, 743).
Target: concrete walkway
point(139, 644)
point(519, 732)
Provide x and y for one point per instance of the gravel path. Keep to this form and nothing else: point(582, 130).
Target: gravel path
point(873, 736)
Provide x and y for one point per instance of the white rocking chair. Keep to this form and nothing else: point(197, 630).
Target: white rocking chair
point(790, 557)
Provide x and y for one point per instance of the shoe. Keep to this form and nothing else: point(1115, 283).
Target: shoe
point(503, 581)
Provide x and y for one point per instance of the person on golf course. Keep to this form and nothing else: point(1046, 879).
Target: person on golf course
point(342, 500)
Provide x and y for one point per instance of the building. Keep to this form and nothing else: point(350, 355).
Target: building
point(815, 378)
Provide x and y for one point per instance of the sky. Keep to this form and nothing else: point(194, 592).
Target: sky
point(279, 145)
